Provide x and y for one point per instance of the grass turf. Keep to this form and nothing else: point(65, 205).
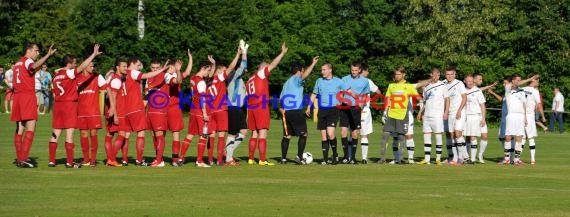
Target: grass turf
point(285, 190)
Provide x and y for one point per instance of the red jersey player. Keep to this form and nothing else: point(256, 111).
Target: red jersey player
point(65, 107)
point(219, 111)
point(172, 114)
point(129, 107)
point(198, 115)
point(112, 126)
point(257, 114)
point(89, 83)
point(24, 106)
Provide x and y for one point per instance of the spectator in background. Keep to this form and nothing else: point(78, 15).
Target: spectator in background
point(1, 82)
point(9, 90)
point(557, 111)
point(46, 89)
point(38, 87)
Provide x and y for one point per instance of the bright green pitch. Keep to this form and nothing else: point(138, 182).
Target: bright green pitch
point(286, 190)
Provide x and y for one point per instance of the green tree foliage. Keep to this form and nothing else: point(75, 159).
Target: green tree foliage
point(495, 38)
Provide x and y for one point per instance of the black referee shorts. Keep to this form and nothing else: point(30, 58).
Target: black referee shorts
point(327, 118)
point(236, 120)
point(350, 117)
point(294, 123)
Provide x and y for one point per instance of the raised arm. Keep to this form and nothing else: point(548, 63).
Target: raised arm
point(155, 73)
point(277, 59)
point(499, 98)
point(233, 64)
point(41, 61)
point(309, 69)
point(213, 68)
point(523, 82)
point(422, 83)
point(488, 86)
point(177, 67)
point(243, 64)
point(86, 62)
point(189, 67)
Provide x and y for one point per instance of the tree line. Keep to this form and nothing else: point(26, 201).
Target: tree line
point(495, 38)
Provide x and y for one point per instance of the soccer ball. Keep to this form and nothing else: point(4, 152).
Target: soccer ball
point(308, 157)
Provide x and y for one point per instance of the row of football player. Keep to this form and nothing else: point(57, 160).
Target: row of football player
point(126, 112)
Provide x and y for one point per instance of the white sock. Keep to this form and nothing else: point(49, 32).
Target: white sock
point(438, 146)
point(427, 147)
point(411, 148)
point(229, 143)
point(473, 149)
point(364, 146)
point(482, 148)
point(232, 147)
point(532, 146)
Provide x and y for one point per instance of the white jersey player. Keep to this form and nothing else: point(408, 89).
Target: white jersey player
point(475, 113)
point(455, 124)
point(532, 103)
point(366, 117)
point(516, 120)
point(434, 112)
point(478, 80)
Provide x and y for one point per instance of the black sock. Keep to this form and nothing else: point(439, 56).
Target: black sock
point(332, 142)
point(325, 147)
point(354, 146)
point(284, 147)
point(301, 146)
point(344, 142)
point(449, 151)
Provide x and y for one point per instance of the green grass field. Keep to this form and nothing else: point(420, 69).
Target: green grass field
point(286, 190)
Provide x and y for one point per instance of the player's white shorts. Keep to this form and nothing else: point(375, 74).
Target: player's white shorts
point(366, 122)
point(473, 125)
point(484, 128)
point(432, 125)
point(515, 124)
point(530, 127)
point(410, 123)
point(453, 124)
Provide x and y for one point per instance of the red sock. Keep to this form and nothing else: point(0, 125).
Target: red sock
point(28, 140)
point(69, 152)
point(252, 145)
point(94, 147)
point(85, 148)
point(262, 149)
point(18, 146)
point(211, 149)
point(185, 145)
point(175, 150)
point(140, 148)
point(119, 141)
point(52, 150)
point(221, 149)
point(160, 148)
point(125, 150)
point(201, 149)
point(108, 146)
point(155, 143)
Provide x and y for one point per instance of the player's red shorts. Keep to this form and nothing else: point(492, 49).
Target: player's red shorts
point(157, 121)
point(219, 121)
point(111, 127)
point(89, 122)
point(195, 125)
point(64, 115)
point(175, 119)
point(9, 95)
point(258, 118)
point(133, 122)
point(24, 107)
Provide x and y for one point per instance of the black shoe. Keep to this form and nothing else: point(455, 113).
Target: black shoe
point(334, 161)
point(381, 161)
point(352, 162)
point(142, 164)
point(345, 161)
point(324, 163)
point(51, 164)
point(364, 161)
point(283, 161)
point(125, 163)
point(26, 164)
point(73, 165)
